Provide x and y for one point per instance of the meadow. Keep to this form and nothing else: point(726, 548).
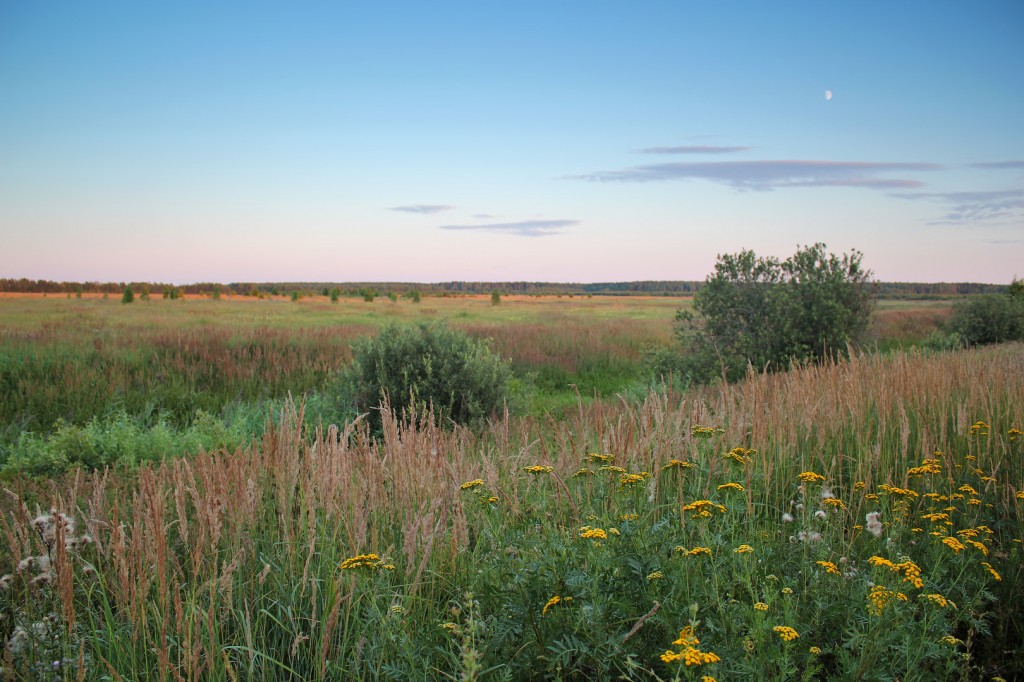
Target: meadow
point(857, 520)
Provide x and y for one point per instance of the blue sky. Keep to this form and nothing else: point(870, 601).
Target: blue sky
point(559, 141)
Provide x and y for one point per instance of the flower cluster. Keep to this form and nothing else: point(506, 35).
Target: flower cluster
point(369, 561)
point(688, 652)
point(787, 633)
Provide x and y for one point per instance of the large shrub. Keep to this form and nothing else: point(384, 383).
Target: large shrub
point(461, 377)
point(989, 318)
point(767, 313)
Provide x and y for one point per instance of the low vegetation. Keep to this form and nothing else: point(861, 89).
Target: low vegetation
point(859, 518)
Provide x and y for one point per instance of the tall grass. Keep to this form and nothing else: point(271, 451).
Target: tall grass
point(228, 566)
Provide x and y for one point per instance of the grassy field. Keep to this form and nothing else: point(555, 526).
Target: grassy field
point(851, 521)
point(860, 520)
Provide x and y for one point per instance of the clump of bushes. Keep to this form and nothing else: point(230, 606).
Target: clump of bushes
point(433, 366)
point(766, 313)
point(990, 318)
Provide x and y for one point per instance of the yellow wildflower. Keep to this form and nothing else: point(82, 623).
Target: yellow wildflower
point(594, 534)
point(626, 480)
point(583, 472)
point(614, 531)
point(739, 455)
point(829, 567)
point(939, 600)
point(629, 517)
point(761, 606)
point(951, 640)
point(953, 544)
point(834, 502)
point(553, 602)
point(705, 431)
point(1014, 434)
point(744, 549)
point(859, 485)
point(656, 575)
point(811, 477)
point(612, 468)
point(787, 633)
point(594, 457)
point(979, 428)
point(363, 561)
point(992, 570)
point(815, 651)
point(787, 590)
point(539, 469)
point(469, 485)
point(880, 597)
point(677, 464)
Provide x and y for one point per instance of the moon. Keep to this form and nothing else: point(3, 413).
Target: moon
point(828, 94)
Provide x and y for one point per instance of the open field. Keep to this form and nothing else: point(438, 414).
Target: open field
point(848, 521)
point(857, 520)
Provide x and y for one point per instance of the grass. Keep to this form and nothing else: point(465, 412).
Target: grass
point(76, 360)
point(433, 554)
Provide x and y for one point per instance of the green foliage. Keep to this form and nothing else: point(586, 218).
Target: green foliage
point(495, 297)
point(118, 439)
point(460, 377)
point(335, 293)
point(368, 295)
point(989, 318)
point(128, 296)
point(295, 296)
point(766, 313)
point(1016, 289)
point(414, 296)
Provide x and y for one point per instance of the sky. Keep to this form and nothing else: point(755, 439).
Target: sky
point(581, 141)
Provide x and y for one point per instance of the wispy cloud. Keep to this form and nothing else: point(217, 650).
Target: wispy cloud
point(973, 207)
point(998, 165)
point(425, 209)
point(695, 149)
point(769, 175)
point(525, 228)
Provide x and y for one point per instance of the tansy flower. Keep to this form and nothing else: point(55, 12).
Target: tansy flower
point(657, 575)
point(594, 534)
point(552, 602)
point(744, 549)
point(371, 561)
point(815, 651)
point(583, 472)
point(469, 485)
point(693, 552)
point(675, 463)
point(704, 431)
point(614, 531)
point(939, 599)
point(612, 468)
point(594, 457)
point(629, 517)
point(732, 486)
point(787, 590)
point(879, 598)
point(953, 544)
point(761, 606)
point(787, 633)
point(539, 469)
point(829, 567)
point(810, 477)
point(859, 485)
point(834, 502)
point(951, 640)
point(992, 570)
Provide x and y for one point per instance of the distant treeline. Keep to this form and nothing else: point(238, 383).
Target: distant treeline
point(354, 289)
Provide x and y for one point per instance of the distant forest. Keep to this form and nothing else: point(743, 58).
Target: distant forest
point(354, 289)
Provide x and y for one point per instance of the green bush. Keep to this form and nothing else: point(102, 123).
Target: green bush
point(128, 296)
point(765, 313)
point(989, 318)
point(461, 377)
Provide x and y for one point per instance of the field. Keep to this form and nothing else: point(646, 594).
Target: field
point(859, 520)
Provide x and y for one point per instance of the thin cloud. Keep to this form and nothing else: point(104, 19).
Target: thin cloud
point(998, 165)
point(526, 228)
point(769, 175)
point(973, 207)
point(696, 149)
point(423, 209)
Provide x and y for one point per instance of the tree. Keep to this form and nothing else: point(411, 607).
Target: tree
point(495, 297)
point(989, 318)
point(461, 377)
point(766, 313)
point(128, 296)
point(335, 293)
